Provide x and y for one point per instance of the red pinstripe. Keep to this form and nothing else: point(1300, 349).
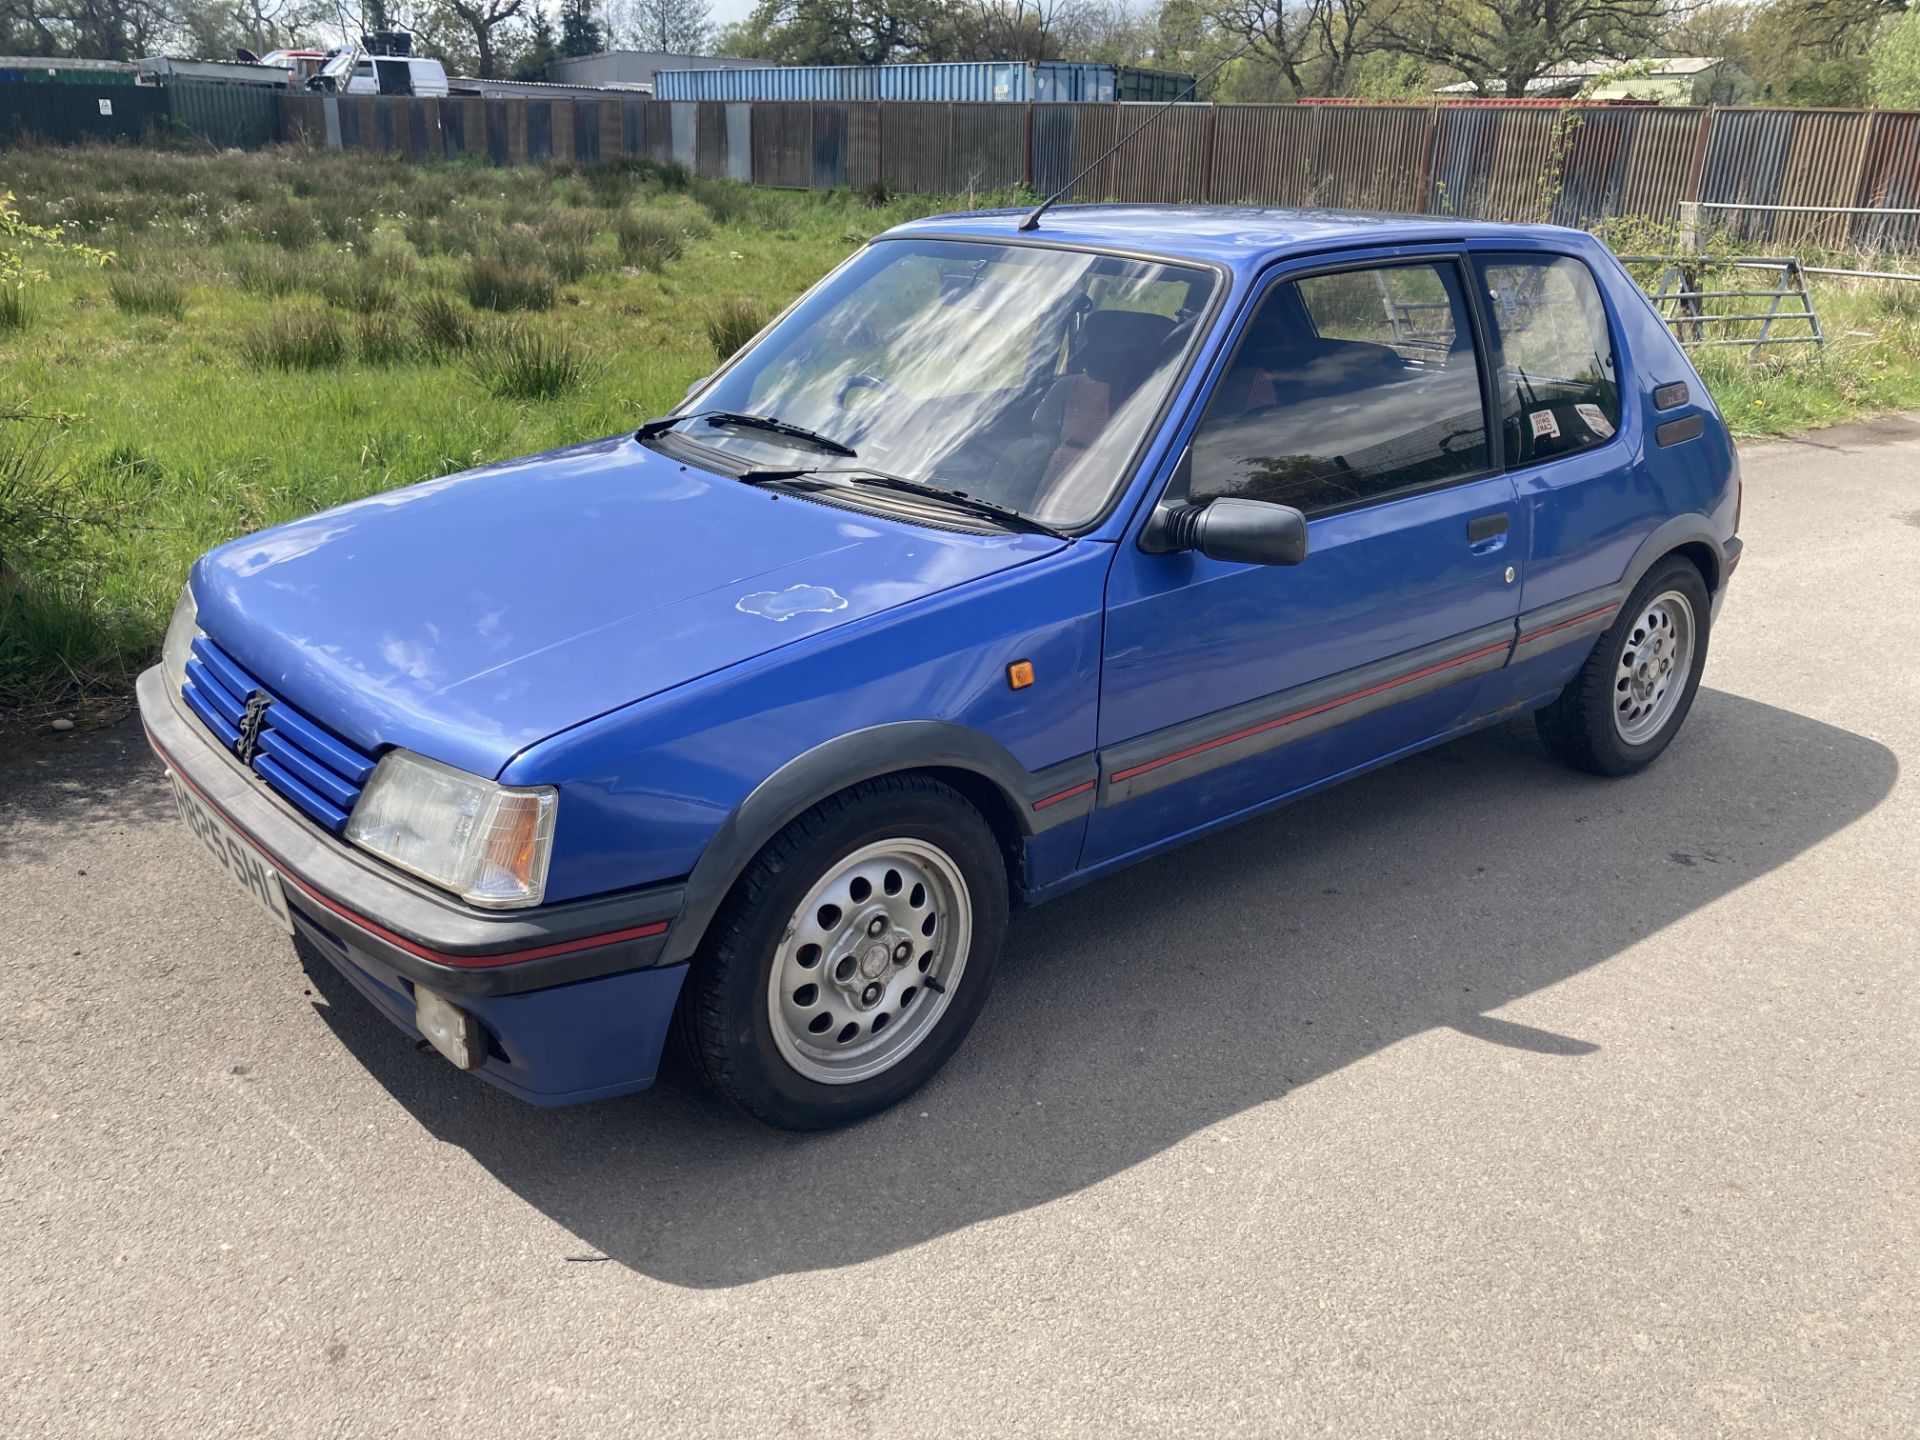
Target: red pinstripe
point(1563, 624)
point(1308, 713)
point(1059, 795)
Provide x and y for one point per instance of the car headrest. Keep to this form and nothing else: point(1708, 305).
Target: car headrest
point(1120, 346)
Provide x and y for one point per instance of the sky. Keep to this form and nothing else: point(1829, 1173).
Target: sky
point(725, 12)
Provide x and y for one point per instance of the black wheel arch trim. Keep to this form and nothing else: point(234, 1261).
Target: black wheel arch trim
point(1038, 800)
point(1675, 533)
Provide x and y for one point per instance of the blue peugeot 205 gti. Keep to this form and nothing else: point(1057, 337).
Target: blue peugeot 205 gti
point(1009, 555)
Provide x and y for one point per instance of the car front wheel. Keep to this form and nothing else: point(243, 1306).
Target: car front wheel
point(1633, 694)
point(852, 957)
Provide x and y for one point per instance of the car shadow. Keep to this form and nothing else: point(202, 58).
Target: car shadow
point(1136, 1011)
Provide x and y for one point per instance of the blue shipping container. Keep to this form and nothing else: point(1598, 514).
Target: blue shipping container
point(1048, 82)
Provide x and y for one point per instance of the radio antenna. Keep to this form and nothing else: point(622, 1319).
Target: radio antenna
point(1032, 221)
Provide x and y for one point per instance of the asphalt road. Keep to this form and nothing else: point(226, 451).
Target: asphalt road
point(1476, 1098)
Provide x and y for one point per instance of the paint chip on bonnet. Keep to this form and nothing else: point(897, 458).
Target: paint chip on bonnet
point(794, 600)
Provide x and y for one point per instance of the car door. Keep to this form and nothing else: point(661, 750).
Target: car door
point(1576, 457)
point(1355, 393)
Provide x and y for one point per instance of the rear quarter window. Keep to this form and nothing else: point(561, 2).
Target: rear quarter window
point(1558, 384)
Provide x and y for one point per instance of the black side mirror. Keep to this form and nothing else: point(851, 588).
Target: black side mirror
point(1242, 532)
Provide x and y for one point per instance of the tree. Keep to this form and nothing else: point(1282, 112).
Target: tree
point(486, 24)
point(1894, 80)
point(1502, 45)
point(540, 51)
point(97, 29)
point(832, 32)
point(670, 27)
point(1313, 44)
point(580, 33)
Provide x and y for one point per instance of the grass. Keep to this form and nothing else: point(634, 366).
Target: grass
point(496, 284)
point(332, 340)
point(732, 323)
point(648, 239)
point(523, 364)
point(328, 345)
point(297, 339)
point(147, 295)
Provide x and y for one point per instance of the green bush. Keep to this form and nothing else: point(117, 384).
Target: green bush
point(496, 284)
point(297, 339)
point(647, 239)
point(14, 313)
point(359, 290)
point(263, 271)
point(148, 295)
point(444, 326)
point(524, 364)
point(732, 323)
point(287, 223)
point(381, 337)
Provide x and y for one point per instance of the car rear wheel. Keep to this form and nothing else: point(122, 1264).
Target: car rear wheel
point(1633, 694)
point(852, 957)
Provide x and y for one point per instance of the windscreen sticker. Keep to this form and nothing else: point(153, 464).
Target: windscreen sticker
point(1596, 419)
point(792, 601)
point(1545, 427)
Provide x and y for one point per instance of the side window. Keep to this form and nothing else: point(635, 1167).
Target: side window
point(1557, 388)
point(1346, 387)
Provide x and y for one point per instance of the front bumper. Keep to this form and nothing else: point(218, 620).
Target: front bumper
point(573, 1002)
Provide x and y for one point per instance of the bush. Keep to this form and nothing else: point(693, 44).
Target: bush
point(442, 323)
point(148, 295)
point(647, 240)
point(358, 290)
point(297, 340)
point(731, 203)
point(495, 284)
point(261, 271)
point(567, 240)
point(287, 223)
point(382, 338)
point(733, 323)
point(523, 364)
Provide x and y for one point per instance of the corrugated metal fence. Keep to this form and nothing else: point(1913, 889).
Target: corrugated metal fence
point(1576, 165)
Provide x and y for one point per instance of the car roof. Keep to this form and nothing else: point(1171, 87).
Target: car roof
point(1231, 235)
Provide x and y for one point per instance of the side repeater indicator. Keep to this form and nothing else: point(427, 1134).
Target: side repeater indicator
point(1020, 674)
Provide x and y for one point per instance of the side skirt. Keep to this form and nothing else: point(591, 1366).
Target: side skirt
point(1172, 842)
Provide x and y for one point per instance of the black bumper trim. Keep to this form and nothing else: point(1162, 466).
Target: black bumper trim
point(430, 940)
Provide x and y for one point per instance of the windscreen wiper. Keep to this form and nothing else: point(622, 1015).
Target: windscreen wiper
point(745, 421)
point(880, 480)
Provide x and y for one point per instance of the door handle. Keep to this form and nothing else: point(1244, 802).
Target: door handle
point(1485, 527)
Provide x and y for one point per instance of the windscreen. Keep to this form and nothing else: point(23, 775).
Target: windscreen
point(1022, 375)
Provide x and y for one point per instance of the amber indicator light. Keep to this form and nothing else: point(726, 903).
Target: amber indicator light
point(1020, 674)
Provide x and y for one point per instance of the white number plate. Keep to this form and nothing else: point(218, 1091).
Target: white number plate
point(239, 859)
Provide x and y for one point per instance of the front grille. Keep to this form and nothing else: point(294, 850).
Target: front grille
point(317, 772)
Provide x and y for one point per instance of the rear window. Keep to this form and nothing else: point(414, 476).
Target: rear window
point(1557, 386)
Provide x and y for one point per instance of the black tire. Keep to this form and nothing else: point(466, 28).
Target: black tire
point(724, 1016)
point(1580, 727)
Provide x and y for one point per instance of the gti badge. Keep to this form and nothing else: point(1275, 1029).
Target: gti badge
point(258, 704)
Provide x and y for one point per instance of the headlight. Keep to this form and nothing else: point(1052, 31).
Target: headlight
point(487, 843)
point(181, 631)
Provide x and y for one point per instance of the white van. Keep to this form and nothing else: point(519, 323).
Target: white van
point(354, 72)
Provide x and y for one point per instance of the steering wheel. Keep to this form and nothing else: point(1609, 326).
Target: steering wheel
point(861, 380)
